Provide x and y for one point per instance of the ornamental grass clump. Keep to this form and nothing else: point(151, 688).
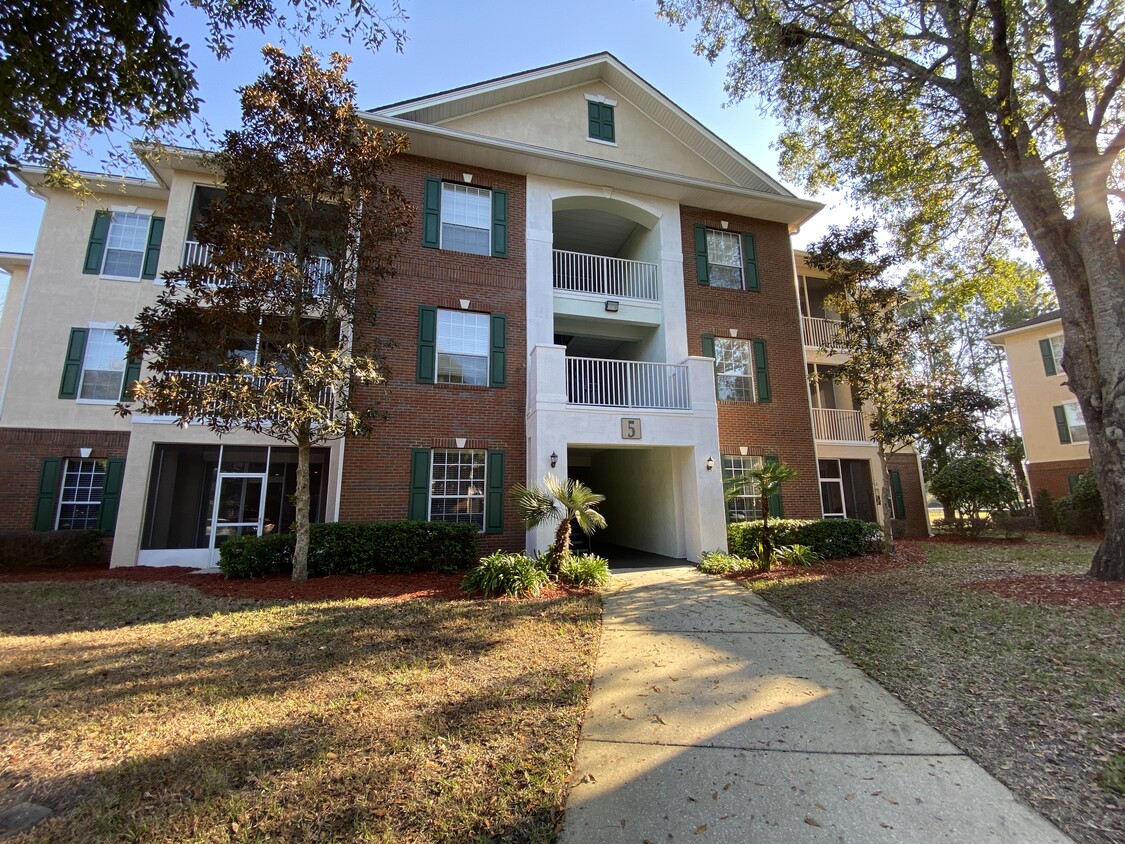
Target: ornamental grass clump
point(513, 575)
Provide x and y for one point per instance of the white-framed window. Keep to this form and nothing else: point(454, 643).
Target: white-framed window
point(1076, 422)
point(462, 347)
point(103, 366)
point(466, 219)
point(746, 504)
point(734, 367)
point(1056, 341)
point(832, 504)
point(125, 245)
point(724, 259)
point(80, 499)
point(457, 486)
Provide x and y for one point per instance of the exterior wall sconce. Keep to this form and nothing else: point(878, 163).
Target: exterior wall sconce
point(612, 306)
point(554, 460)
point(710, 464)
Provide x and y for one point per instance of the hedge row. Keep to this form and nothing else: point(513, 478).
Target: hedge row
point(57, 550)
point(830, 538)
point(357, 548)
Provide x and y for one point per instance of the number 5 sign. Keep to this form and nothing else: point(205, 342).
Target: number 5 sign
point(630, 429)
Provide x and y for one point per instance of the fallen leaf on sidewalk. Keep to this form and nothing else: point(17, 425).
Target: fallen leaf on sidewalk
point(588, 777)
point(659, 720)
point(811, 821)
point(699, 830)
point(626, 716)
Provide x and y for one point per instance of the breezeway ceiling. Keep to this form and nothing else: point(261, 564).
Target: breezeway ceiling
point(590, 231)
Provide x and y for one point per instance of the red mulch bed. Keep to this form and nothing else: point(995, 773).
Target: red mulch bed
point(906, 554)
point(1063, 590)
point(398, 587)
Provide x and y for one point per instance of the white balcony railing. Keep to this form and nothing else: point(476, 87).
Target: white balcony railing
point(615, 278)
point(319, 268)
point(821, 333)
point(200, 379)
point(840, 425)
point(626, 383)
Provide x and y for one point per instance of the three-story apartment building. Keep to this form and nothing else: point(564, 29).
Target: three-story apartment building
point(596, 286)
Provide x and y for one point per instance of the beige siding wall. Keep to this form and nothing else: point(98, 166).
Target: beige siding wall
point(1037, 394)
point(559, 121)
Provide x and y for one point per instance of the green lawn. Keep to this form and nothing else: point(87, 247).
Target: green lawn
point(1034, 693)
point(151, 712)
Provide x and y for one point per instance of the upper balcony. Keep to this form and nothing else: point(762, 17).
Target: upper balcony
point(197, 380)
point(604, 277)
point(319, 269)
point(832, 425)
point(820, 332)
point(597, 382)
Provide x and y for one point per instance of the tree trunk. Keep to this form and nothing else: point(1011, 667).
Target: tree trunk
point(886, 501)
point(562, 545)
point(303, 504)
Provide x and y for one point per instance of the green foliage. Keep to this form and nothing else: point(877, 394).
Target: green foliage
point(830, 539)
point(720, 562)
point(797, 555)
point(1045, 515)
point(55, 550)
point(506, 574)
point(561, 501)
point(974, 489)
point(395, 547)
point(585, 570)
point(1081, 512)
point(73, 67)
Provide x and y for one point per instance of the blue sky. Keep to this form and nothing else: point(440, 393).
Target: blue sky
point(458, 43)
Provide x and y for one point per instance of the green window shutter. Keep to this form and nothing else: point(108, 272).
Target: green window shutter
point(132, 374)
point(701, 274)
point(1048, 357)
point(708, 342)
point(427, 345)
point(750, 261)
point(494, 502)
point(111, 495)
point(775, 497)
point(594, 112)
point(497, 359)
point(499, 224)
point(152, 251)
point(608, 128)
point(1061, 424)
point(47, 499)
point(1071, 483)
point(96, 247)
point(898, 500)
point(761, 371)
point(419, 485)
point(431, 214)
point(72, 367)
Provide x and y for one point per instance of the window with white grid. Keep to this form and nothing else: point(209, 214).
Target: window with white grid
point(1057, 351)
point(466, 219)
point(733, 368)
point(103, 366)
point(724, 259)
point(80, 501)
point(744, 501)
point(457, 486)
point(462, 347)
point(125, 245)
point(1076, 422)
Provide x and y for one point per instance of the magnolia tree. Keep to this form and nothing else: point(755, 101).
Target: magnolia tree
point(269, 329)
point(1002, 119)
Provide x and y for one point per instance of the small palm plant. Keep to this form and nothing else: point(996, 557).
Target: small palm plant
point(767, 478)
point(562, 501)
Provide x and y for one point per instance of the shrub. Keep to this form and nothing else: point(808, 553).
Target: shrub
point(797, 555)
point(973, 488)
point(720, 562)
point(1081, 512)
point(1045, 515)
point(506, 574)
point(27, 550)
point(585, 570)
point(829, 538)
point(396, 547)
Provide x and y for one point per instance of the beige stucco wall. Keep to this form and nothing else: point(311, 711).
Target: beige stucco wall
point(1037, 394)
point(559, 121)
point(17, 282)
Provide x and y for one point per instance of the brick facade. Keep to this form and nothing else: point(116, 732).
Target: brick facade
point(782, 426)
point(917, 515)
point(376, 473)
point(1054, 475)
point(24, 451)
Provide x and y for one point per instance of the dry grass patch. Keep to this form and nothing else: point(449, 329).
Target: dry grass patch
point(150, 711)
point(1034, 692)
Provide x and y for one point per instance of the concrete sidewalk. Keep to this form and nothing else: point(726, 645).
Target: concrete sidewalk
point(713, 718)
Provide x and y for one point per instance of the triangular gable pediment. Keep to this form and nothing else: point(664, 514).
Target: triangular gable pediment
point(546, 108)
